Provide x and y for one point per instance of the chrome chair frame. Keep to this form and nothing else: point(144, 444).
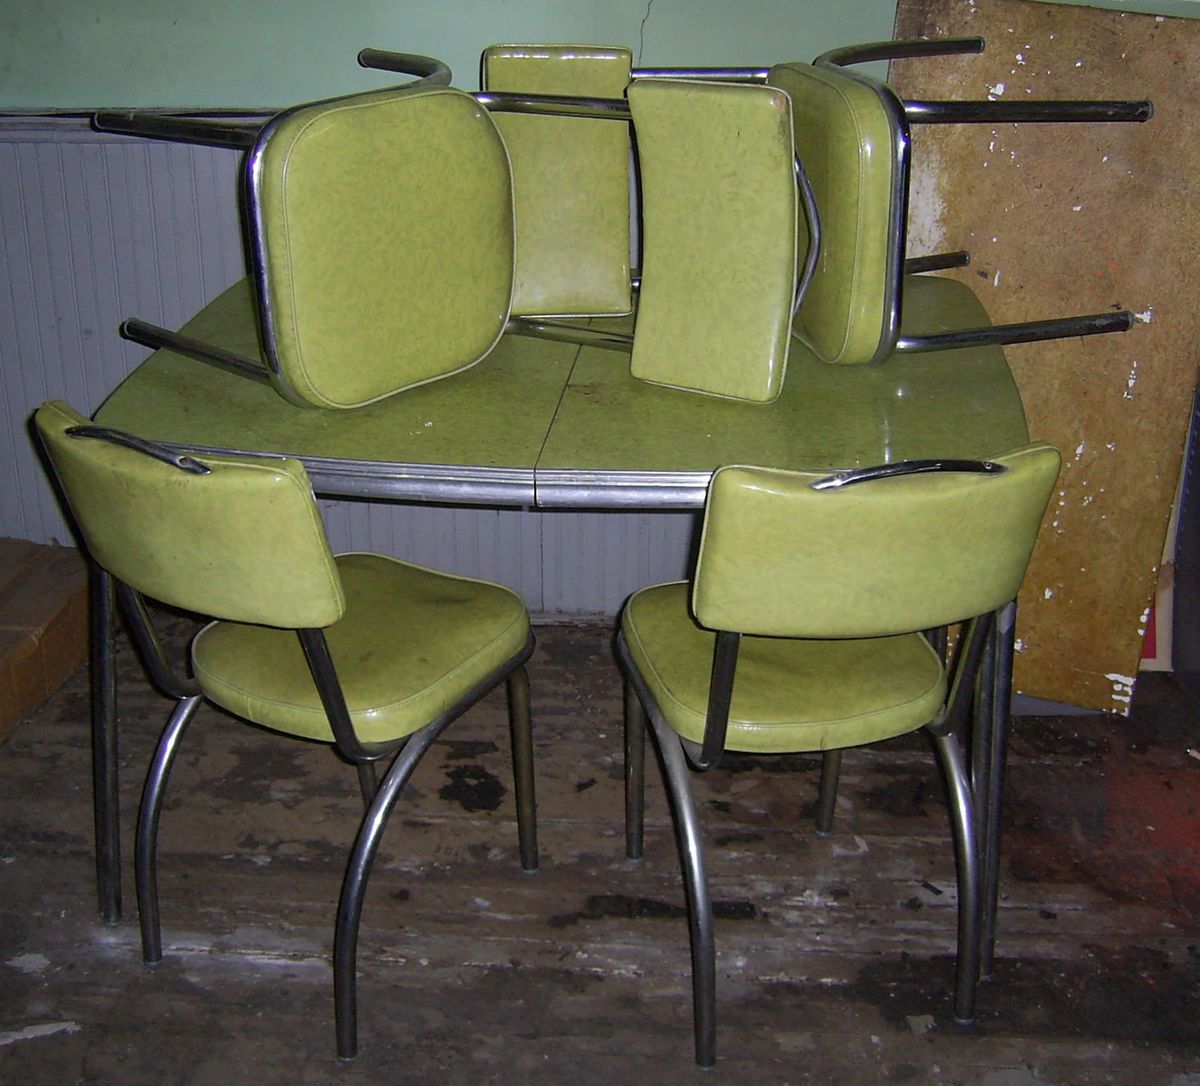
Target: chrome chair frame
point(245, 134)
point(973, 782)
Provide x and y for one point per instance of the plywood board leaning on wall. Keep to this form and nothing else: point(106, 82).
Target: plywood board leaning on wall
point(1065, 219)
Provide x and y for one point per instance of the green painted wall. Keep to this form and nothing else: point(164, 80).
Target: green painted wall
point(81, 54)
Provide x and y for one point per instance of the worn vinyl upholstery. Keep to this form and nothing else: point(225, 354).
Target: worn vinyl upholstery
point(381, 241)
point(834, 585)
point(245, 543)
point(570, 180)
point(853, 141)
point(719, 212)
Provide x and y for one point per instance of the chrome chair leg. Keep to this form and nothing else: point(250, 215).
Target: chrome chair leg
point(962, 824)
point(695, 882)
point(146, 849)
point(521, 731)
point(635, 773)
point(105, 796)
point(354, 885)
point(831, 768)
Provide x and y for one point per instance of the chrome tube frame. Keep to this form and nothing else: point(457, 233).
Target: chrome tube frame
point(146, 852)
point(159, 338)
point(831, 769)
point(989, 790)
point(720, 696)
point(430, 71)
point(366, 844)
point(906, 467)
point(106, 797)
point(1030, 112)
point(695, 884)
point(711, 75)
point(554, 105)
point(162, 453)
point(179, 128)
point(962, 824)
point(867, 52)
point(917, 265)
point(635, 770)
point(559, 332)
point(812, 216)
point(149, 646)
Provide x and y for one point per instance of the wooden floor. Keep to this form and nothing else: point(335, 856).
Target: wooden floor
point(834, 953)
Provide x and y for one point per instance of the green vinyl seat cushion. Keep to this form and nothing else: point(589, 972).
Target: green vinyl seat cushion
point(789, 694)
point(411, 643)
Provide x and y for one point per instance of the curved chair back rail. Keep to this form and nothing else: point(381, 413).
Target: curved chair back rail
point(570, 179)
point(381, 239)
point(719, 271)
point(781, 556)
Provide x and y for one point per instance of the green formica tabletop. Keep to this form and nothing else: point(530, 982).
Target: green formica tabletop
point(554, 425)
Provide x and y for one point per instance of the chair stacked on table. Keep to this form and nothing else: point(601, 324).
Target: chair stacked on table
point(394, 237)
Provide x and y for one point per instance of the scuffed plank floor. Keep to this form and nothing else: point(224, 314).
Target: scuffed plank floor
point(834, 954)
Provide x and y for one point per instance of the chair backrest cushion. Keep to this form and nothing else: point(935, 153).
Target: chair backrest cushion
point(381, 234)
point(892, 555)
point(719, 216)
point(244, 542)
point(570, 180)
point(852, 139)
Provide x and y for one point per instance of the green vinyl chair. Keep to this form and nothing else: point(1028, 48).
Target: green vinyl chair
point(803, 630)
point(369, 654)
